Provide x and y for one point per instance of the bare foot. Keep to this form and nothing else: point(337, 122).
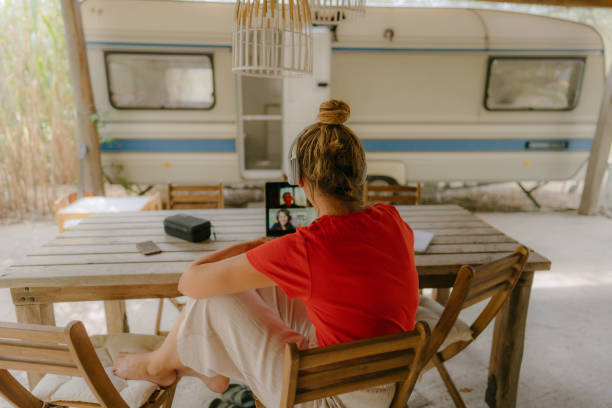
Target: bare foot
point(137, 366)
point(218, 383)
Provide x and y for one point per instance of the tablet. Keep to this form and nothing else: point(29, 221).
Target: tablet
point(287, 208)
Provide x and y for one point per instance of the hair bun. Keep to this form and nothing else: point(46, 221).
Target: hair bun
point(334, 112)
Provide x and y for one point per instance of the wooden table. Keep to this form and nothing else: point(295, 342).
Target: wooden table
point(98, 260)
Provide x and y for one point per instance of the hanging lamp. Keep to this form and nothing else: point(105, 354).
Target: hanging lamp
point(272, 38)
point(336, 11)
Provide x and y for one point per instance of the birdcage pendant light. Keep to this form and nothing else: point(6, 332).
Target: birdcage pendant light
point(272, 38)
point(336, 11)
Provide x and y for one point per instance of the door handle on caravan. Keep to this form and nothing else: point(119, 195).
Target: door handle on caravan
point(546, 145)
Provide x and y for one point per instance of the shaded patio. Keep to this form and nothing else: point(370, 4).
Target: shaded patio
point(560, 367)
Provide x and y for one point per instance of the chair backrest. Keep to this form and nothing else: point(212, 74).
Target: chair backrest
point(392, 194)
point(325, 371)
point(55, 350)
point(451, 312)
point(493, 281)
point(191, 197)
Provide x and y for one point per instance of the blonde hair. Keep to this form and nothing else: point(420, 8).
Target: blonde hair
point(331, 156)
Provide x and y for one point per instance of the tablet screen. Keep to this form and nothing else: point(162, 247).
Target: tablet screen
point(287, 208)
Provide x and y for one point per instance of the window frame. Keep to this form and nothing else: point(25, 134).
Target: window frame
point(199, 54)
point(560, 57)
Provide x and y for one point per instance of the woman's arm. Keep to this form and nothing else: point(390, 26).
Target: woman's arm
point(223, 272)
point(228, 252)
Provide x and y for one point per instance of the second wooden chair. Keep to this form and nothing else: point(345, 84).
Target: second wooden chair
point(326, 371)
point(194, 197)
point(493, 281)
point(392, 194)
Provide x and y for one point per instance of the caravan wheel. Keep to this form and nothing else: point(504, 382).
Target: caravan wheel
point(381, 181)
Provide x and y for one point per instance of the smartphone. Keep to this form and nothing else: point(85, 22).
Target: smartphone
point(148, 248)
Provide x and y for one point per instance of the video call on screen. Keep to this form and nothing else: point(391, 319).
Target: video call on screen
point(288, 208)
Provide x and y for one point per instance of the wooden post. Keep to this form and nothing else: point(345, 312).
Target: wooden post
point(91, 178)
point(600, 152)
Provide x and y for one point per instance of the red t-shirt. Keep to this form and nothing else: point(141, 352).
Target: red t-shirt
point(355, 273)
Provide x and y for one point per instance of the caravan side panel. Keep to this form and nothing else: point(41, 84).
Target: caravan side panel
point(165, 145)
point(418, 97)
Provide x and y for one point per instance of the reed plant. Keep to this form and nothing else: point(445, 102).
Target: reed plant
point(37, 124)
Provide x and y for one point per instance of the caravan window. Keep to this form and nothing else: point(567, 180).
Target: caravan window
point(533, 83)
point(160, 81)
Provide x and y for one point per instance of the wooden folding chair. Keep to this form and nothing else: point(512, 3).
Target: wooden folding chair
point(493, 281)
point(67, 352)
point(392, 194)
point(194, 197)
point(188, 197)
point(326, 371)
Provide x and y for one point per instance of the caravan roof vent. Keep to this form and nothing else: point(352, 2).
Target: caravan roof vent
point(336, 11)
point(272, 38)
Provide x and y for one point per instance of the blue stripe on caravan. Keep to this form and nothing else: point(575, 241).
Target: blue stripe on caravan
point(370, 145)
point(169, 145)
point(459, 50)
point(473, 145)
point(141, 44)
point(581, 145)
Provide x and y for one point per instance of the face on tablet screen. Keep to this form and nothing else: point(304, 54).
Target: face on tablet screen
point(287, 208)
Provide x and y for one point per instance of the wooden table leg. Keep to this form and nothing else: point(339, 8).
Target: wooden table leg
point(507, 346)
point(35, 314)
point(116, 317)
point(441, 295)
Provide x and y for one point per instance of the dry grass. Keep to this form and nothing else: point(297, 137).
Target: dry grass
point(37, 137)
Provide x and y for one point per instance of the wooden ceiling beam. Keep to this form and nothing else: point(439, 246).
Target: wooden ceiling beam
point(563, 3)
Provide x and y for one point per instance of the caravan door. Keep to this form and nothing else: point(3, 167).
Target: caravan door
point(271, 112)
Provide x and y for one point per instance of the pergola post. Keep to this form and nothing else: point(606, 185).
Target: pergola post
point(600, 152)
point(91, 179)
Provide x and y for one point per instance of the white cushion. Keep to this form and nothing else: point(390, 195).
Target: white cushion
point(72, 223)
point(430, 311)
point(135, 392)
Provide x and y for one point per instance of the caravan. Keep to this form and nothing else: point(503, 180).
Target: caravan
point(436, 94)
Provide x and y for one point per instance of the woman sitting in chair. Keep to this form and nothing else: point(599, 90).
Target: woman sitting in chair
point(349, 275)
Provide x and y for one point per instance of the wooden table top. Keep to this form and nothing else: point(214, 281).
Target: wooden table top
point(101, 250)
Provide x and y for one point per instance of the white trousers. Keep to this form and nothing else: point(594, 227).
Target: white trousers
point(243, 336)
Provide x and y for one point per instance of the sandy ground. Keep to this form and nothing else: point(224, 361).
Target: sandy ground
point(567, 353)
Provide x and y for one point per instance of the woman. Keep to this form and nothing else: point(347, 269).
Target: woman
point(348, 275)
point(283, 222)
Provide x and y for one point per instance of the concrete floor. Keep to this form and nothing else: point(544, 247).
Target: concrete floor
point(568, 353)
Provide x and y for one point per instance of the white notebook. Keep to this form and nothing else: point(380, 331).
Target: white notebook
point(422, 239)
